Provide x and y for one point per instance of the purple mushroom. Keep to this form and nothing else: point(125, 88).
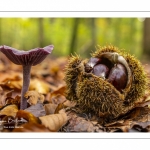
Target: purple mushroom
point(26, 59)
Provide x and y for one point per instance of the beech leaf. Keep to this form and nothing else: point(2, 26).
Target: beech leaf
point(55, 121)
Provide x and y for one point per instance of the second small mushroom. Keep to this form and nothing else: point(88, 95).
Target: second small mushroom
point(27, 59)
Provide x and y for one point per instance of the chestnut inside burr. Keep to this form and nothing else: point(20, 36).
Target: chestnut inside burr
point(116, 74)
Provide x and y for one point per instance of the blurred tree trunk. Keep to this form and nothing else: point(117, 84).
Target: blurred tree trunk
point(93, 42)
point(93, 34)
point(146, 38)
point(74, 35)
point(41, 32)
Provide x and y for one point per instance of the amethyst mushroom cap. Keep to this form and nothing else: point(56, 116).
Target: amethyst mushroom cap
point(27, 59)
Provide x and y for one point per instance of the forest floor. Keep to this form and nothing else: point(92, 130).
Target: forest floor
point(48, 108)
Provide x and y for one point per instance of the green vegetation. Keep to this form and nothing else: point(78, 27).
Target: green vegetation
point(69, 35)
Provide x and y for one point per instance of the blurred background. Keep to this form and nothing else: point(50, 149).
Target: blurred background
point(77, 35)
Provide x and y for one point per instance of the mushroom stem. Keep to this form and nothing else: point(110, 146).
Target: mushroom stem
point(25, 86)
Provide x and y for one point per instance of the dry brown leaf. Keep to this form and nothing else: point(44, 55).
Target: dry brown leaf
point(9, 110)
point(59, 107)
point(34, 97)
point(31, 127)
point(39, 86)
point(10, 76)
point(27, 116)
point(12, 80)
point(121, 125)
point(50, 108)
point(3, 95)
point(80, 124)
point(60, 90)
point(55, 121)
point(58, 99)
point(69, 103)
point(37, 110)
point(65, 104)
point(16, 101)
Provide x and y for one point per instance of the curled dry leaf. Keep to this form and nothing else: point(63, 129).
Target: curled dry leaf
point(9, 110)
point(55, 121)
point(39, 86)
point(27, 116)
point(34, 97)
point(31, 127)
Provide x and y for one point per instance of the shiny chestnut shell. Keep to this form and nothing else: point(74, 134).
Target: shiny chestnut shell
point(118, 77)
point(100, 70)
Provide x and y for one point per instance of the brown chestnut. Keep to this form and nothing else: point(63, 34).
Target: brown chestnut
point(91, 63)
point(118, 77)
point(100, 70)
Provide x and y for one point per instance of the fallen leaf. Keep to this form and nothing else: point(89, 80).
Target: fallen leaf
point(39, 86)
point(37, 110)
point(65, 104)
point(60, 90)
point(69, 103)
point(55, 121)
point(50, 108)
point(3, 95)
point(12, 80)
point(9, 110)
point(34, 97)
point(58, 99)
point(16, 101)
point(27, 116)
point(80, 124)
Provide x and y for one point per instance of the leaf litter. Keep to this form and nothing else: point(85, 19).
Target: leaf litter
point(48, 108)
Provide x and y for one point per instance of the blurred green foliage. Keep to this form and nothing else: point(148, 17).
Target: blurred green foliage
point(28, 33)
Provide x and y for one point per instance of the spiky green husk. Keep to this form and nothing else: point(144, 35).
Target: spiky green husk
point(104, 49)
point(71, 77)
point(93, 94)
point(140, 79)
point(98, 96)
